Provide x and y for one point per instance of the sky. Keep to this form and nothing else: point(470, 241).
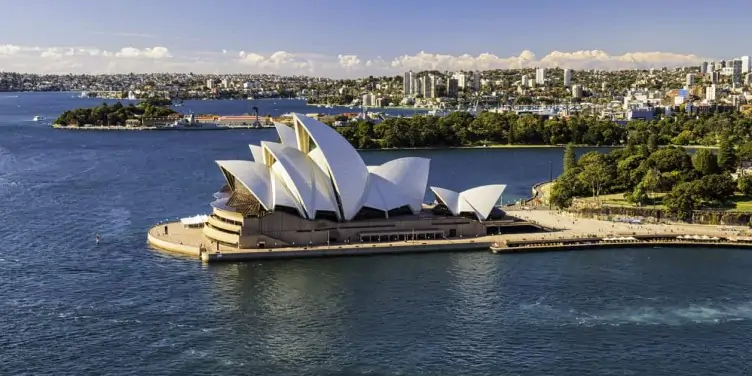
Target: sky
point(352, 38)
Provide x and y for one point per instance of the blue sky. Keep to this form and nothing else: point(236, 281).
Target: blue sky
point(385, 28)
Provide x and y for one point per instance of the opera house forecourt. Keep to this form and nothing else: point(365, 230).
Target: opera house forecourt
point(311, 194)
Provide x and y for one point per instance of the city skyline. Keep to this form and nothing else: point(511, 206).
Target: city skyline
point(351, 39)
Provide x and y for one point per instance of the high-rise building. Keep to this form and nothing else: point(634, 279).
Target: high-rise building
point(428, 86)
point(523, 80)
point(476, 81)
point(576, 91)
point(736, 76)
point(452, 87)
point(567, 77)
point(704, 67)
point(711, 68)
point(710, 92)
point(461, 79)
point(540, 76)
point(408, 84)
point(748, 79)
point(690, 80)
point(745, 64)
point(369, 100)
point(210, 83)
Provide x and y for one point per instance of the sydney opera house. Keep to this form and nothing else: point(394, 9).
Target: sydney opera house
point(312, 187)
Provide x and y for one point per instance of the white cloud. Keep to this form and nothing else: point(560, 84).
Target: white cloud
point(279, 62)
point(348, 61)
point(9, 49)
point(161, 59)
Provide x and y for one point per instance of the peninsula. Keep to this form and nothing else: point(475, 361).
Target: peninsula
point(311, 195)
point(118, 115)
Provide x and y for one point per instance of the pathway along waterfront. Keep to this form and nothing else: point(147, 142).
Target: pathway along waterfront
point(560, 232)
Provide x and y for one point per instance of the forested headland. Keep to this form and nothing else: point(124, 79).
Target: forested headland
point(115, 114)
point(670, 177)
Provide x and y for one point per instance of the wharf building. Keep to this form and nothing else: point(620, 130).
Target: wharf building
point(312, 188)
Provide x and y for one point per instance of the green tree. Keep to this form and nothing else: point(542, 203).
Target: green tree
point(594, 172)
point(705, 162)
point(652, 142)
point(638, 196)
point(564, 190)
point(682, 200)
point(726, 154)
point(715, 188)
point(570, 158)
point(745, 152)
point(744, 184)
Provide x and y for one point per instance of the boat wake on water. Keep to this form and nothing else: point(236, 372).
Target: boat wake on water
point(710, 313)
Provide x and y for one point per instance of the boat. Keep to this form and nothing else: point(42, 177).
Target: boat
point(189, 123)
point(39, 118)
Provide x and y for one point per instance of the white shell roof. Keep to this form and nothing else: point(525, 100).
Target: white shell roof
point(289, 174)
point(479, 200)
point(341, 161)
point(304, 178)
point(257, 153)
point(286, 135)
point(406, 181)
point(254, 176)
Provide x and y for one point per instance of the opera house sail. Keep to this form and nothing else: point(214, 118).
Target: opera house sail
point(313, 187)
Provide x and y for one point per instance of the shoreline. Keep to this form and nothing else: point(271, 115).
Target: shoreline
point(530, 146)
point(359, 108)
point(490, 146)
point(557, 232)
point(123, 128)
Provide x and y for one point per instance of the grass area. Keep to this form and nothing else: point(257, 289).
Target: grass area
point(617, 199)
point(739, 203)
point(742, 203)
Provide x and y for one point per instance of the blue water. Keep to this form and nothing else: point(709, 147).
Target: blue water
point(70, 307)
point(22, 107)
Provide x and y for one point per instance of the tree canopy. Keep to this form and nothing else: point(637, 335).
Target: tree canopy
point(688, 183)
point(115, 114)
point(464, 129)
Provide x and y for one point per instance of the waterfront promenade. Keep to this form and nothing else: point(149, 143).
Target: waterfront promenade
point(176, 238)
point(570, 226)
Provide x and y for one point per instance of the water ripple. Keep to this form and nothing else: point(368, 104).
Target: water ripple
point(71, 307)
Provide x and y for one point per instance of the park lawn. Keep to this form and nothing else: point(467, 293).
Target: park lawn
point(739, 203)
point(743, 203)
point(617, 199)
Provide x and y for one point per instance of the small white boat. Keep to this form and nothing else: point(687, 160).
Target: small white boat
point(38, 118)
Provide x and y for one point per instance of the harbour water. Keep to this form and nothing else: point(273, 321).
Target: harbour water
point(70, 306)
